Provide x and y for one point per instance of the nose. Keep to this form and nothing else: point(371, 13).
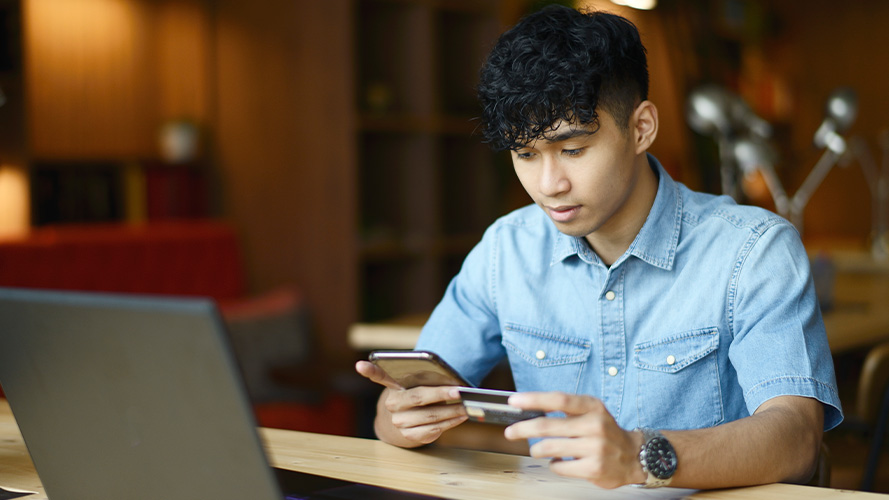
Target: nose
point(553, 179)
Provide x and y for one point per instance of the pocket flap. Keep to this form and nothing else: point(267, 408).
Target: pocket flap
point(542, 348)
point(676, 352)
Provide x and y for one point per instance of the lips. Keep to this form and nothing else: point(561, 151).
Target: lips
point(564, 213)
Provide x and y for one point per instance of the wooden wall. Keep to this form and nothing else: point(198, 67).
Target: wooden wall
point(825, 45)
point(284, 146)
point(103, 75)
point(273, 82)
point(87, 83)
point(270, 83)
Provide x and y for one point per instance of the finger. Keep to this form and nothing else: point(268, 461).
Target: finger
point(608, 461)
point(376, 374)
point(427, 415)
point(570, 404)
point(574, 447)
point(597, 471)
point(593, 424)
point(426, 434)
point(405, 399)
point(570, 467)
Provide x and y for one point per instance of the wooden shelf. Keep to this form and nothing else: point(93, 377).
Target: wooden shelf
point(391, 248)
point(427, 186)
point(110, 190)
point(412, 124)
point(85, 102)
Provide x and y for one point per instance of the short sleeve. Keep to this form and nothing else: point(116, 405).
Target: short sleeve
point(779, 344)
point(464, 329)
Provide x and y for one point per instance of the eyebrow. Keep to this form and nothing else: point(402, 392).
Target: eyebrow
point(562, 136)
point(568, 134)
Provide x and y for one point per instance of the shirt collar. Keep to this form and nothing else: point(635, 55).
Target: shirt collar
point(657, 240)
point(565, 246)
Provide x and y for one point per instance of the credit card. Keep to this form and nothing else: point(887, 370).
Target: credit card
point(491, 407)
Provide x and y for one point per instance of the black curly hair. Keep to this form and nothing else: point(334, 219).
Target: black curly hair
point(560, 64)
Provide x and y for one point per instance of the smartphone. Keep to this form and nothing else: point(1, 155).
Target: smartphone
point(416, 368)
point(492, 407)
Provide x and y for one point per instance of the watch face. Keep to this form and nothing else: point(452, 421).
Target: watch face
point(660, 458)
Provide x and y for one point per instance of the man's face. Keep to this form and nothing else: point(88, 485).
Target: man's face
point(584, 181)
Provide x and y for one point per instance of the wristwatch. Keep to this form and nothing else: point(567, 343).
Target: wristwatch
point(658, 459)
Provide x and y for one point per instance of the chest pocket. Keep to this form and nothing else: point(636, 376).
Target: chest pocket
point(679, 385)
point(544, 361)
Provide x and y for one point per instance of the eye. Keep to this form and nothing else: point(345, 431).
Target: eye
point(573, 152)
point(524, 155)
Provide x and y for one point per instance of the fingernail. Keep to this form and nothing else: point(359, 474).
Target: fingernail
point(516, 399)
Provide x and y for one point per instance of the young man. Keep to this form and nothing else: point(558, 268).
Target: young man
point(622, 299)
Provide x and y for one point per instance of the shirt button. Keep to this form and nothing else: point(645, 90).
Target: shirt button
point(671, 359)
point(609, 295)
point(540, 354)
point(612, 371)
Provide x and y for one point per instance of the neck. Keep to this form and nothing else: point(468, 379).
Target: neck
point(614, 238)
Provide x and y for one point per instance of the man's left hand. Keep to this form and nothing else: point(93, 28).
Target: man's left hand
point(587, 443)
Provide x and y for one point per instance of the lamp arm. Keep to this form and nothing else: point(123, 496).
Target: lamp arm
point(861, 152)
point(727, 167)
point(813, 180)
point(782, 203)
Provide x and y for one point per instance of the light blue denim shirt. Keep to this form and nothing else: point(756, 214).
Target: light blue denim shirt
point(710, 312)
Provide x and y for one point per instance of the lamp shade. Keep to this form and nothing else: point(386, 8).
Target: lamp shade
point(840, 112)
point(707, 110)
point(714, 110)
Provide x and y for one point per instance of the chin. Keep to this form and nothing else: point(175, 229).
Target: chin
point(574, 230)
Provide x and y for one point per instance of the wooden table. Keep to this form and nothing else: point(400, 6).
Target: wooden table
point(450, 473)
point(397, 333)
point(859, 316)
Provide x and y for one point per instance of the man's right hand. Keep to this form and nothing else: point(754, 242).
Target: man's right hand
point(412, 417)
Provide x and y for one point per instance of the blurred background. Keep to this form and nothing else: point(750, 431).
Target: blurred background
point(321, 156)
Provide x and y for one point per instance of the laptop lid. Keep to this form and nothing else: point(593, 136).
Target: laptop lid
point(129, 397)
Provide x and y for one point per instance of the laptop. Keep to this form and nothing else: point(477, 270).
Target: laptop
point(139, 397)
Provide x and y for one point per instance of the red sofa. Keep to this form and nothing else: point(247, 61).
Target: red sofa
point(188, 258)
point(198, 258)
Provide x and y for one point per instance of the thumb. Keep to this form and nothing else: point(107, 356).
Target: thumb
point(377, 375)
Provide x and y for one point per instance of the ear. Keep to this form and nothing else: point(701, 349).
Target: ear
point(644, 124)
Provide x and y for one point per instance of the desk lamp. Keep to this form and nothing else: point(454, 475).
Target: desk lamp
point(840, 112)
point(754, 154)
point(715, 111)
point(741, 137)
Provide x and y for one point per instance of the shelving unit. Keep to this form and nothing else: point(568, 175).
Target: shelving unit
point(100, 191)
point(428, 187)
point(12, 110)
point(84, 102)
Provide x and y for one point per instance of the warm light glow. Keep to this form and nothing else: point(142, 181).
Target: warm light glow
point(15, 218)
point(637, 4)
point(73, 28)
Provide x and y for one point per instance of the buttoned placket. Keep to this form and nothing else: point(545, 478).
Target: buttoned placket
point(613, 340)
